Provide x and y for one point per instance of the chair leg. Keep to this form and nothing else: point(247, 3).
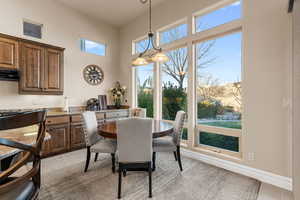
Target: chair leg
point(96, 156)
point(153, 161)
point(113, 160)
point(179, 158)
point(120, 183)
point(88, 157)
point(175, 155)
point(150, 180)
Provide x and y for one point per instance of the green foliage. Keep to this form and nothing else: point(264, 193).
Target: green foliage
point(209, 109)
point(220, 141)
point(184, 134)
point(174, 100)
point(145, 100)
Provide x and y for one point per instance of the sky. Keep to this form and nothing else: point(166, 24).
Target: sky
point(94, 47)
point(226, 51)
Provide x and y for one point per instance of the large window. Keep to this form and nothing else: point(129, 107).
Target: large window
point(174, 83)
point(92, 47)
point(219, 102)
point(218, 17)
point(144, 88)
point(203, 77)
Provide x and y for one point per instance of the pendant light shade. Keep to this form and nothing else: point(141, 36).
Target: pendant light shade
point(160, 57)
point(139, 61)
point(148, 55)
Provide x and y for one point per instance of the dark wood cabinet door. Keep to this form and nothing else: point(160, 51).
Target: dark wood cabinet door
point(31, 67)
point(77, 137)
point(9, 53)
point(59, 141)
point(53, 73)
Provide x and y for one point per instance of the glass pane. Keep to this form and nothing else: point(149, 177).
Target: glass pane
point(144, 81)
point(93, 47)
point(219, 17)
point(220, 141)
point(184, 134)
point(173, 34)
point(33, 30)
point(140, 46)
point(174, 80)
point(219, 101)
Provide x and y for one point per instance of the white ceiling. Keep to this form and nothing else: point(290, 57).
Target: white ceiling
point(114, 12)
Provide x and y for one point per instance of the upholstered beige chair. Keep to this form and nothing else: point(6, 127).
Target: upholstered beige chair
point(94, 142)
point(171, 143)
point(134, 148)
point(138, 112)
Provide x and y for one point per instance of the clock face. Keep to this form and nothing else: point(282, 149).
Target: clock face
point(93, 74)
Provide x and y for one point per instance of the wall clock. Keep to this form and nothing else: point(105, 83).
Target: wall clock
point(93, 75)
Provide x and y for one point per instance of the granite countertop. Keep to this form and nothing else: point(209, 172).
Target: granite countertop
point(62, 113)
point(55, 112)
point(25, 135)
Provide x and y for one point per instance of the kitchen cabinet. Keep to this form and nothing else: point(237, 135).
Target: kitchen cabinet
point(9, 53)
point(41, 66)
point(41, 70)
point(53, 71)
point(32, 66)
point(67, 132)
point(77, 136)
point(59, 142)
point(59, 130)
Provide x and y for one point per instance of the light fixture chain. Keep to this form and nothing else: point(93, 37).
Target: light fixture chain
point(150, 16)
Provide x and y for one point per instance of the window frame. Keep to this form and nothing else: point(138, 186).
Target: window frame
point(190, 41)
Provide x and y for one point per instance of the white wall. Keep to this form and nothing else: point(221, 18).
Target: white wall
point(296, 90)
point(62, 27)
point(266, 70)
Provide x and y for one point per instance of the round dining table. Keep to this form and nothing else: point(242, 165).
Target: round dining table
point(160, 128)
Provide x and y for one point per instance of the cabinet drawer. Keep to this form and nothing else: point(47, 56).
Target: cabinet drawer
point(78, 118)
point(117, 114)
point(57, 120)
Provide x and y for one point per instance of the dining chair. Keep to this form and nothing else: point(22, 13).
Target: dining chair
point(138, 112)
point(134, 148)
point(25, 185)
point(171, 143)
point(94, 142)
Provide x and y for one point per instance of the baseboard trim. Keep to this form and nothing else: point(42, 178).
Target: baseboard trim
point(263, 176)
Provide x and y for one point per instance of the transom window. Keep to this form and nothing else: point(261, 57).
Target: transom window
point(92, 47)
point(173, 34)
point(218, 17)
point(141, 45)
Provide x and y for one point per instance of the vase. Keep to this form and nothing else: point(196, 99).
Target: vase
point(118, 103)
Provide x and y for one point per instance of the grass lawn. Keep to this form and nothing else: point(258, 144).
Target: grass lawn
point(216, 140)
point(225, 124)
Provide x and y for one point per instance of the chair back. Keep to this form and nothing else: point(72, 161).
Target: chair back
point(178, 126)
point(90, 128)
point(138, 112)
point(134, 140)
point(30, 153)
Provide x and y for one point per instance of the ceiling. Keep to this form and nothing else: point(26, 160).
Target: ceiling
point(114, 12)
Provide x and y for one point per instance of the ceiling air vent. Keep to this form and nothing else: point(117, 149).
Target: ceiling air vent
point(32, 29)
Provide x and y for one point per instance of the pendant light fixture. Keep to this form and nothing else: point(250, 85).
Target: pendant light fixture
point(153, 54)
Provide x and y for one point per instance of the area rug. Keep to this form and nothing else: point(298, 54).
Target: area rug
point(63, 179)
